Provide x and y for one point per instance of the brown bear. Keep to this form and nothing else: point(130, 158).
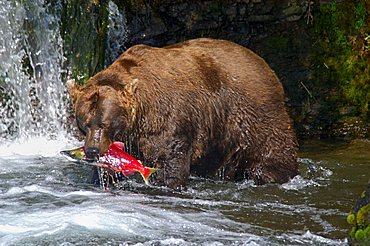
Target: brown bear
point(204, 107)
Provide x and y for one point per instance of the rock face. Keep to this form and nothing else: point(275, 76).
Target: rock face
point(166, 22)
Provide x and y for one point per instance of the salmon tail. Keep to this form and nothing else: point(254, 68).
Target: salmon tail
point(147, 172)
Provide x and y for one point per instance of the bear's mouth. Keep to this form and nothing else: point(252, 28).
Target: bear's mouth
point(92, 154)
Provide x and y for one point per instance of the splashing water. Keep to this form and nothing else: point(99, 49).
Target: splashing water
point(117, 35)
point(33, 95)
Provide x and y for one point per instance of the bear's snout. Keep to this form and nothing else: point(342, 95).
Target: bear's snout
point(97, 142)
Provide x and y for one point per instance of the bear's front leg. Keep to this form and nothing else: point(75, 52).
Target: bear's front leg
point(174, 164)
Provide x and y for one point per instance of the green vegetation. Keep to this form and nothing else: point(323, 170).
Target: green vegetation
point(359, 218)
point(341, 31)
point(84, 27)
point(360, 232)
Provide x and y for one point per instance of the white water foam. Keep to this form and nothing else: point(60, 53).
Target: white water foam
point(124, 217)
point(13, 191)
point(299, 183)
point(309, 238)
point(37, 146)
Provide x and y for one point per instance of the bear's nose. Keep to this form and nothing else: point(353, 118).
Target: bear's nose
point(92, 153)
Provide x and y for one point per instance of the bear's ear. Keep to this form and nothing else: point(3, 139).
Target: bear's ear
point(131, 86)
point(73, 90)
point(93, 95)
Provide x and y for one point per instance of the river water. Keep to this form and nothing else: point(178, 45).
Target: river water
point(47, 200)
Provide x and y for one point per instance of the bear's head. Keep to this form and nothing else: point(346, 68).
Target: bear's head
point(104, 112)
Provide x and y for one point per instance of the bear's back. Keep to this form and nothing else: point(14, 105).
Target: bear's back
point(245, 70)
point(202, 64)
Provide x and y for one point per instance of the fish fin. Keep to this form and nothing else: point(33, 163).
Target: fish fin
point(148, 172)
point(119, 145)
point(127, 173)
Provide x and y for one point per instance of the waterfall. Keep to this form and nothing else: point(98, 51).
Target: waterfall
point(33, 98)
point(117, 35)
point(33, 101)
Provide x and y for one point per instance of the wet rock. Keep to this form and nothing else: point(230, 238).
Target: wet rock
point(351, 127)
point(162, 21)
point(84, 29)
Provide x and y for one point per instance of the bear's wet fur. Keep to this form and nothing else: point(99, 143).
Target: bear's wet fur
point(203, 107)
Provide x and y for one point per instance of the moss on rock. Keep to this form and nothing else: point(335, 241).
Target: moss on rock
point(359, 220)
point(84, 27)
point(343, 59)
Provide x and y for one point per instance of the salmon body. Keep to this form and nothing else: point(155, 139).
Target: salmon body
point(115, 159)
